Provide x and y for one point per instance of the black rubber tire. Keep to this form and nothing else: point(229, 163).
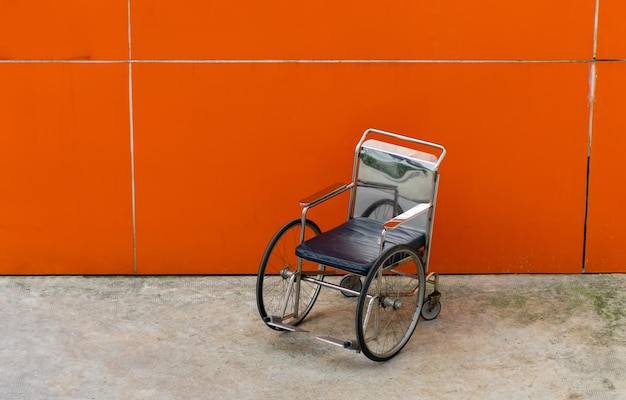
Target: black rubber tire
point(395, 280)
point(346, 282)
point(428, 314)
point(272, 285)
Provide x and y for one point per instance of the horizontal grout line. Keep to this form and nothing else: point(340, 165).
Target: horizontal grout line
point(311, 61)
point(377, 61)
point(69, 61)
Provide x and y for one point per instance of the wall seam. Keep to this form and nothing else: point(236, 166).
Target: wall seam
point(308, 61)
point(592, 94)
point(132, 143)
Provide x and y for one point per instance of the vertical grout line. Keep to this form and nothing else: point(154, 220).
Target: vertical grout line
point(595, 30)
point(592, 95)
point(132, 142)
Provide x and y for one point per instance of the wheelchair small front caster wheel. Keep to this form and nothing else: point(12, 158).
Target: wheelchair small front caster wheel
point(429, 314)
point(352, 282)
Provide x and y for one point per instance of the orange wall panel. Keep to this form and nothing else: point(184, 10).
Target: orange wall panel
point(513, 185)
point(611, 29)
point(367, 29)
point(606, 226)
point(65, 203)
point(64, 29)
point(225, 151)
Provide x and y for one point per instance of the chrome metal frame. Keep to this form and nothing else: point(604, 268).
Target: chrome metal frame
point(333, 190)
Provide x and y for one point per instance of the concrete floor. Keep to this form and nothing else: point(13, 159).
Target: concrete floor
point(498, 337)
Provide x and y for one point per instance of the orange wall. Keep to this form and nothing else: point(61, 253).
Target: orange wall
point(64, 169)
point(219, 117)
point(606, 231)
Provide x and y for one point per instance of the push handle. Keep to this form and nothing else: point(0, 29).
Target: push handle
point(405, 138)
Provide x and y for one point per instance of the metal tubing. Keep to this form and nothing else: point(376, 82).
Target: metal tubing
point(383, 239)
point(330, 285)
point(296, 299)
point(434, 281)
point(303, 223)
point(431, 223)
point(367, 315)
point(283, 308)
point(407, 139)
point(322, 199)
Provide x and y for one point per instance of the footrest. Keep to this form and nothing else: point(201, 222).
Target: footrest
point(346, 344)
point(278, 323)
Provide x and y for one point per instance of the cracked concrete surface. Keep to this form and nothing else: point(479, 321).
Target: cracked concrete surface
point(200, 337)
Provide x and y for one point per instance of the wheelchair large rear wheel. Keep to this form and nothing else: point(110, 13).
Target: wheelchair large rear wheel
point(279, 290)
point(390, 303)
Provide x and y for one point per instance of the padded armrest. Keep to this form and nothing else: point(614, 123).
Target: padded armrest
point(407, 215)
point(324, 194)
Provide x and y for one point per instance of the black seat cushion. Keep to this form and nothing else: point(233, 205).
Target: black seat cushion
point(354, 246)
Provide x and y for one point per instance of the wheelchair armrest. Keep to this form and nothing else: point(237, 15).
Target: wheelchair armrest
point(407, 216)
point(324, 194)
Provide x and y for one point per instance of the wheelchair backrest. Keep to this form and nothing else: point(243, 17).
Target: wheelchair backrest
point(389, 179)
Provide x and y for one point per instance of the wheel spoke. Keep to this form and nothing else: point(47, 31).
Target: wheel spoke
point(273, 284)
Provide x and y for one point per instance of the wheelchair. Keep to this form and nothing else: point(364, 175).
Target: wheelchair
point(380, 254)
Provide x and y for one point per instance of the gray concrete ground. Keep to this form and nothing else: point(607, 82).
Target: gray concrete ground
point(502, 336)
